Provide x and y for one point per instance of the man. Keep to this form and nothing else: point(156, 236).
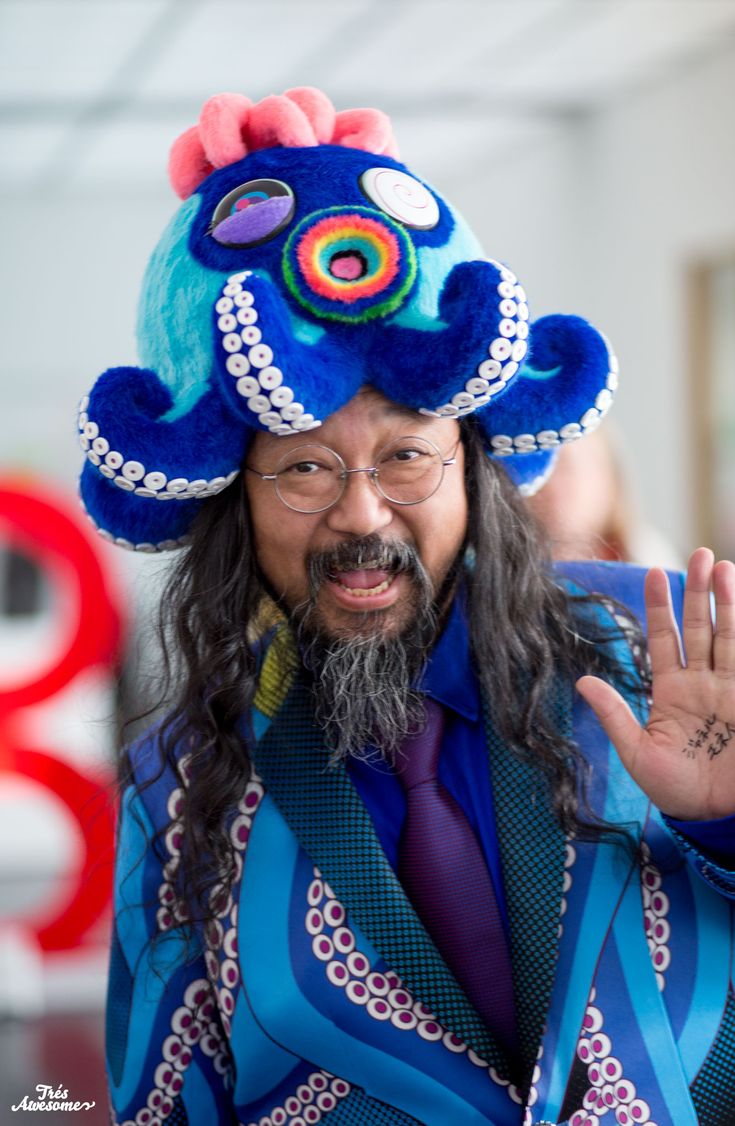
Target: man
point(379, 864)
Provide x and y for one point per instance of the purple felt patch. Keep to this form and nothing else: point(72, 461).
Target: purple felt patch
point(255, 223)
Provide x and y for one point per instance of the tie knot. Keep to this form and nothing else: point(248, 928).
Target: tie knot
point(418, 759)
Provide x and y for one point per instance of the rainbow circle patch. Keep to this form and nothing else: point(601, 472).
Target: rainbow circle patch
point(349, 264)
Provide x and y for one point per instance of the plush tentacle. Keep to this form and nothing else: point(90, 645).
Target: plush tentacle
point(562, 392)
point(463, 366)
point(529, 472)
point(272, 379)
point(121, 518)
point(132, 448)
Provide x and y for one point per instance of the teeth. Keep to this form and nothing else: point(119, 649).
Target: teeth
point(370, 566)
point(375, 565)
point(363, 592)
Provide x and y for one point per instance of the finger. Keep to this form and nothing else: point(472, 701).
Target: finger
point(723, 581)
point(620, 725)
point(663, 636)
point(697, 616)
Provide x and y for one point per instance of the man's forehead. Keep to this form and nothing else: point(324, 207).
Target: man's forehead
point(370, 410)
point(376, 407)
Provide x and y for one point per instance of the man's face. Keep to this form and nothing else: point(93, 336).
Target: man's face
point(285, 540)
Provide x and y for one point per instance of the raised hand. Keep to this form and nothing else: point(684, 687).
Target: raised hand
point(684, 758)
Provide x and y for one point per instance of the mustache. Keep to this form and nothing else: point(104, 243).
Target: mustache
point(371, 552)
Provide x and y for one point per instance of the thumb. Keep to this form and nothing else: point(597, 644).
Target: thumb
point(614, 714)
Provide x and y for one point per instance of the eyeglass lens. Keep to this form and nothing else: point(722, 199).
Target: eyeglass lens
point(310, 478)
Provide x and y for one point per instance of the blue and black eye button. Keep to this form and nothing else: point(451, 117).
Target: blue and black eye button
point(253, 213)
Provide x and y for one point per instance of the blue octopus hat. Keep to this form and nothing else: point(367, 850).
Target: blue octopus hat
point(304, 263)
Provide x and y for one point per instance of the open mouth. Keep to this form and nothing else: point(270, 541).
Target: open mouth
point(366, 574)
point(363, 591)
point(370, 579)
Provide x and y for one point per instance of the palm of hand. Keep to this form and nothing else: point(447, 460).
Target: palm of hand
point(684, 758)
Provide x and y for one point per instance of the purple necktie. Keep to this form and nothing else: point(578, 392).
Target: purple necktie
point(444, 874)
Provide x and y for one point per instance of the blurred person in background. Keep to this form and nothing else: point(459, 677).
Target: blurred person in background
point(589, 511)
point(383, 865)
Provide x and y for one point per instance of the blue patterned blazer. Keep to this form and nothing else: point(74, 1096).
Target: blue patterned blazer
point(318, 995)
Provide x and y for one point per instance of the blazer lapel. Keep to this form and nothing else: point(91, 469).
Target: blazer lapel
point(532, 854)
point(333, 826)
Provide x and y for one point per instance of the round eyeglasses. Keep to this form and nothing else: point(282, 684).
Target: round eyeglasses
point(312, 478)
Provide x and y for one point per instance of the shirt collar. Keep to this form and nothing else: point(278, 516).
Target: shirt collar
point(449, 677)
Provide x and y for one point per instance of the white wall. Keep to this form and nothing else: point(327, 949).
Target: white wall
point(661, 173)
point(73, 264)
point(603, 219)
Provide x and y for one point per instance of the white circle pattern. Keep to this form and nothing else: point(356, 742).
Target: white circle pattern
point(248, 355)
point(401, 196)
point(480, 387)
point(128, 545)
point(127, 472)
point(192, 1023)
point(170, 911)
point(570, 855)
point(282, 416)
point(503, 445)
point(609, 1090)
point(655, 910)
point(317, 1095)
point(381, 995)
point(221, 936)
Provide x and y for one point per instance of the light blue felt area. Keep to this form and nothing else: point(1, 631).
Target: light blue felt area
point(303, 330)
point(527, 372)
point(648, 1004)
point(174, 314)
point(282, 1008)
point(435, 263)
point(714, 955)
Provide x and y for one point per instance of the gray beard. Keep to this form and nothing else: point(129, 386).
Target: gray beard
point(364, 684)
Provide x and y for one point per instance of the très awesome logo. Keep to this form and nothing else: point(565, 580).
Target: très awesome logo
point(50, 1098)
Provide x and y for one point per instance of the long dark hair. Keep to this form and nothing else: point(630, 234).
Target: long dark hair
point(524, 628)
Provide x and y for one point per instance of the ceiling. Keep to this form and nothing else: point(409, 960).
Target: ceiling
point(92, 92)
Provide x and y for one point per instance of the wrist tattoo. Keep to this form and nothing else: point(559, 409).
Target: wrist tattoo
point(714, 735)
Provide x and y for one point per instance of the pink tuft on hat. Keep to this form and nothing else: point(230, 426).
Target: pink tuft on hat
point(230, 126)
point(222, 124)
